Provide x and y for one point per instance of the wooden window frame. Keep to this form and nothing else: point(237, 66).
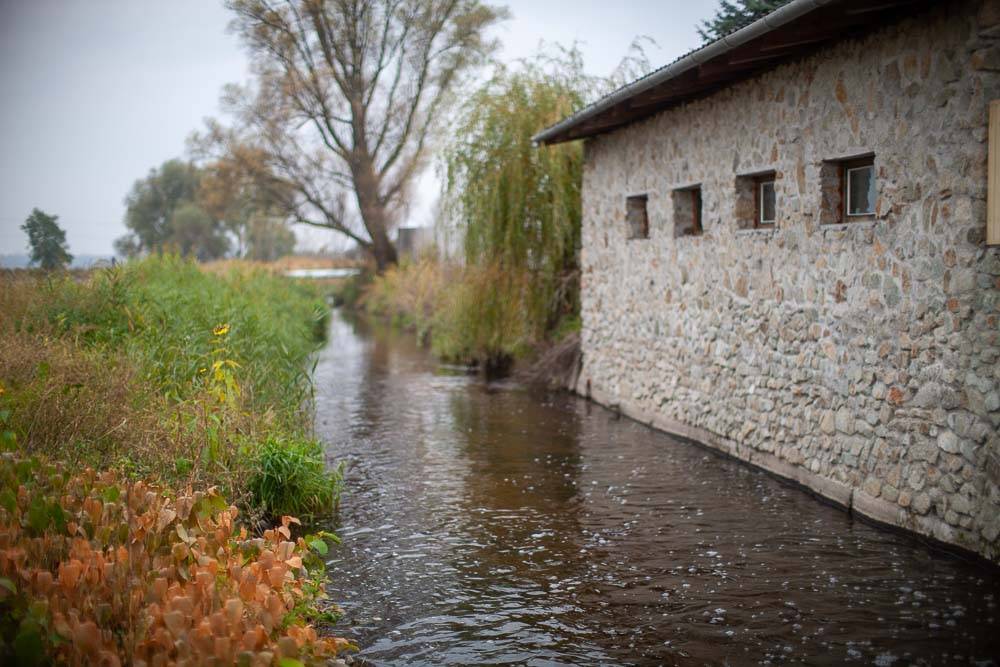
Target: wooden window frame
point(845, 167)
point(993, 176)
point(696, 214)
point(758, 201)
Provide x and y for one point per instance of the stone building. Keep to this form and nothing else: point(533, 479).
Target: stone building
point(785, 255)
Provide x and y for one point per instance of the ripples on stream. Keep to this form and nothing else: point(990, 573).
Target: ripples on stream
point(492, 524)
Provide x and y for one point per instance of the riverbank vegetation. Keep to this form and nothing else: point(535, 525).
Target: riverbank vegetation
point(165, 372)
point(517, 209)
point(183, 387)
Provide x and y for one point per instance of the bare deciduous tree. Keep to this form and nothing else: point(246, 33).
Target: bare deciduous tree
point(347, 96)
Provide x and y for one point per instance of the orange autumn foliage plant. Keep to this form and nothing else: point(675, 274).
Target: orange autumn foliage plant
point(97, 570)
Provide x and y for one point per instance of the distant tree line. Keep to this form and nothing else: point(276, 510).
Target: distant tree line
point(202, 212)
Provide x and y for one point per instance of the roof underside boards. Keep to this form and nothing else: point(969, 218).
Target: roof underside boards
point(808, 25)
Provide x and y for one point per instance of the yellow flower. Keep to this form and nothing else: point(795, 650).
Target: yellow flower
point(2, 390)
point(221, 330)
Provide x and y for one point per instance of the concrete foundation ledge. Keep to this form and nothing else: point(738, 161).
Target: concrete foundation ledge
point(854, 500)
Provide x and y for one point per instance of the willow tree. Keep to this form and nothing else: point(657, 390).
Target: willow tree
point(346, 99)
point(519, 206)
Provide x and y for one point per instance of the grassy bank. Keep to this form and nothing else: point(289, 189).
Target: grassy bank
point(167, 373)
point(475, 314)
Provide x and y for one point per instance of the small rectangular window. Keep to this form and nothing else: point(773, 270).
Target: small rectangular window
point(860, 189)
point(687, 211)
point(756, 204)
point(637, 217)
point(849, 190)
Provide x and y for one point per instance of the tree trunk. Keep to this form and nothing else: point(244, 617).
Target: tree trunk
point(383, 250)
point(374, 215)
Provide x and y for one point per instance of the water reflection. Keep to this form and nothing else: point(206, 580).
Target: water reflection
point(490, 524)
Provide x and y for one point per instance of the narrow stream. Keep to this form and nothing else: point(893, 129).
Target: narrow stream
point(496, 524)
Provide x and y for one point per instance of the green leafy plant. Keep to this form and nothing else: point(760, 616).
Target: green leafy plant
point(8, 439)
point(290, 477)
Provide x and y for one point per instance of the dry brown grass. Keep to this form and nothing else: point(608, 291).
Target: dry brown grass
point(411, 293)
point(289, 263)
point(86, 407)
point(93, 408)
point(89, 405)
point(557, 365)
point(66, 400)
point(20, 294)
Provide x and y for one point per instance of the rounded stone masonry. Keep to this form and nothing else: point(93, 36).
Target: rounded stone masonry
point(860, 359)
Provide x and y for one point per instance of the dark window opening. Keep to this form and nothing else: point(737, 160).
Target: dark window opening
point(687, 212)
point(636, 217)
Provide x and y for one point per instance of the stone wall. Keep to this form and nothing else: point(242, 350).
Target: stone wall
point(861, 359)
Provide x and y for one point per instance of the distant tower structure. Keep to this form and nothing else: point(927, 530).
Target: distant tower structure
point(411, 242)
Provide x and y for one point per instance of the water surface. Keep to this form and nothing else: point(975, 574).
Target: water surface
point(490, 523)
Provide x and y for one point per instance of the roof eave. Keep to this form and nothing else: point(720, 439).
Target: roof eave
point(793, 10)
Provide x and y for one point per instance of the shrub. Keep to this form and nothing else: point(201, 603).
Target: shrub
point(290, 477)
point(475, 314)
point(96, 570)
point(484, 318)
point(348, 291)
point(409, 295)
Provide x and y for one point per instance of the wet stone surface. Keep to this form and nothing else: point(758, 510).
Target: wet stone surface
point(493, 524)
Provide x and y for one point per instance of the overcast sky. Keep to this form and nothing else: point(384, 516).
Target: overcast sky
point(93, 93)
